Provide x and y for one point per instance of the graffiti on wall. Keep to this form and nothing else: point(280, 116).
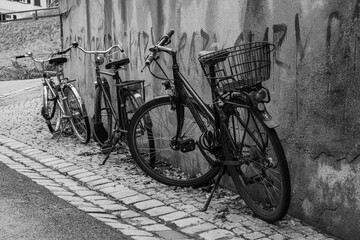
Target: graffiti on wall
point(189, 44)
point(136, 44)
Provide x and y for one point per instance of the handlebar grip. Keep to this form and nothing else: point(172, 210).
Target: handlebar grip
point(170, 33)
point(149, 59)
point(73, 45)
point(166, 38)
point(20, 56)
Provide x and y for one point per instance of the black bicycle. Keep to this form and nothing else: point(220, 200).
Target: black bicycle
point(110, 126)
point(195, 142)
point(63, 108)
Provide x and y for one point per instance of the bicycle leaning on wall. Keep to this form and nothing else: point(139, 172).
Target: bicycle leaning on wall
point(195, 142)
point(110, 126)
point(63, 108)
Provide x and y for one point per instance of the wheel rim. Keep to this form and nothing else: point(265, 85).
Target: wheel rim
point(172, 166)
point(263, 177)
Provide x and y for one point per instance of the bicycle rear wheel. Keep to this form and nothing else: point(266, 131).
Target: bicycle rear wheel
point(79, 119)
point(50, 111)
point(133, 101)
point(151, 142)
point(262, 178)
point(102, 122)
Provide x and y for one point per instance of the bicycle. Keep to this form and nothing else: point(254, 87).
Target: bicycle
point(110, 126)
point(196, 142)
point(62, 103)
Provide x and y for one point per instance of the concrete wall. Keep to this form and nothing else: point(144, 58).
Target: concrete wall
point(314, 86)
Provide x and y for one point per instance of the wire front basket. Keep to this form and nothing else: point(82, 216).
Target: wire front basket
point(237, 67)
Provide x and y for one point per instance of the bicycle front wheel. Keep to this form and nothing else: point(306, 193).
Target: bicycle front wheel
point(262, 178)
point(50, 111)
point(79, 119)
point(151, 139)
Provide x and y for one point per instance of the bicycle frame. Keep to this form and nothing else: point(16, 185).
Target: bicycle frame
point(120, 117)
point(61, 99)
point(184, 92)
point(100, 81)
point(46, 81)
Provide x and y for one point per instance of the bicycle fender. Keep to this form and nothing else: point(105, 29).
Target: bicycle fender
point(77, 95)
point(162, 96)
point(268, 120)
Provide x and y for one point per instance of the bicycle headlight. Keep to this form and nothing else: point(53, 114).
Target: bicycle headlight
point(99, 60)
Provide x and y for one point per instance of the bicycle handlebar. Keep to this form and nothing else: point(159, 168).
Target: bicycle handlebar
point(30, 55)
point(73, 45)
point(76, 45)
point(164, 40)
point(100, 52)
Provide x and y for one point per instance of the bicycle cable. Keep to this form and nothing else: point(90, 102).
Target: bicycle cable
point(162, 70)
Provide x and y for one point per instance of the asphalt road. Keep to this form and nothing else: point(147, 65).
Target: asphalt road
point(29, 211)
point(10, 87)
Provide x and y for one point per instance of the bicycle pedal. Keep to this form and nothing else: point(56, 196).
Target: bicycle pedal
point(187, 145)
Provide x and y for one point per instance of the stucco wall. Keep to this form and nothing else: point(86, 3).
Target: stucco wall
point(314, 85)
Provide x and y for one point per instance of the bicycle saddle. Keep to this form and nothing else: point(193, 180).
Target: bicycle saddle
point(59, 60)
point(117, 63)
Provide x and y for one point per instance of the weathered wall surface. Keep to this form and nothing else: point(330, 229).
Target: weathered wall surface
point(314, 85)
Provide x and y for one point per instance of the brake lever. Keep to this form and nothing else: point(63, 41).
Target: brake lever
point(146, 65)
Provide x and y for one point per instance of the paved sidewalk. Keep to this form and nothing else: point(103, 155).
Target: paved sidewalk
point(118, 193)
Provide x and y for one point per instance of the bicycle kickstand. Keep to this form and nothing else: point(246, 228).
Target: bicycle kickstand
point(221, 174)
point(112, 148)
point(62, 130)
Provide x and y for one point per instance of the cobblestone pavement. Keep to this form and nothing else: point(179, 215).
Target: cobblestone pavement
point(118, 193)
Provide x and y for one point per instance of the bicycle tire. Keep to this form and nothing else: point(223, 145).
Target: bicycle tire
point(102, 122)
point(162, 161)
point(50, 111)
point(263, 178)
point(79, 119)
